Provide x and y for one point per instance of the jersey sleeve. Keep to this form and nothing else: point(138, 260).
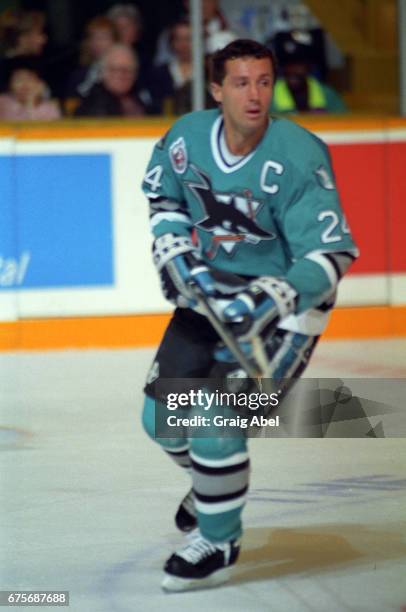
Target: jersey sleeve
point(316, 232)
point(161, 185)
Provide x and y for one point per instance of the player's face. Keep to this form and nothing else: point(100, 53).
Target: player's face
point(245, 93)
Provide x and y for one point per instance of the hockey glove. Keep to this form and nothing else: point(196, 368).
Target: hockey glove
point(258, 310)
point(179, 264)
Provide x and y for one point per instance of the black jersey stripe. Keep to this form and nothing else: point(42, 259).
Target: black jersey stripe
point(220, 471)
point(345, 254)
point(215, 499)
point(220, 131)
point(325, 307)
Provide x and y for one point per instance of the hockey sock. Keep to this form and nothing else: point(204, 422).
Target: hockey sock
point(220, 474)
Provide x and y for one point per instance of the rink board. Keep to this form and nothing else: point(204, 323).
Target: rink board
point(75, 241)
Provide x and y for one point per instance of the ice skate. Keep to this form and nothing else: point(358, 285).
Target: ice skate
point(200, 564)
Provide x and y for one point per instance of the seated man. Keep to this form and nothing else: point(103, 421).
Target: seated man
point(116, 95)
point(170, 83)
point(297, 90)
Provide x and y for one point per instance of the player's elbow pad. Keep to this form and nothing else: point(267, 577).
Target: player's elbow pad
point(317, 275)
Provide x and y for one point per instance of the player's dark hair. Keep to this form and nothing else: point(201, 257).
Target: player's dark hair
point(234, 50)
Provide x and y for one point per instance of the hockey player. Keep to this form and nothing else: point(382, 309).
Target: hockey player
point(235, 191)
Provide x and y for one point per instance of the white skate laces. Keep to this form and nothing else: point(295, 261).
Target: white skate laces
point(197, 549)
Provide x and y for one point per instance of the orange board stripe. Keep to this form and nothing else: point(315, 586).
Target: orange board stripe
point(147, 330)
point(120, 331)
point(98, 130)
point(155, 127)
point(366, 322)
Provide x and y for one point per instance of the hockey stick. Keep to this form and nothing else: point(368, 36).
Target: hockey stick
point(258, 350)
point(228, 338)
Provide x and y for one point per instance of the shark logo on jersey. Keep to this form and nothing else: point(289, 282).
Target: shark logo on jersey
point(178, 155)
point(230, 217)
point(324, 178)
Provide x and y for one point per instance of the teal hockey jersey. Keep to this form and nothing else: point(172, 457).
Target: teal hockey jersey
point(272, 212)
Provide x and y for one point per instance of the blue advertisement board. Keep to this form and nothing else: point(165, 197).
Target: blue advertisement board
point(8, 221)
point(57, 226)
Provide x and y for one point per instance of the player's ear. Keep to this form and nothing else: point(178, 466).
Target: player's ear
point(216, 92)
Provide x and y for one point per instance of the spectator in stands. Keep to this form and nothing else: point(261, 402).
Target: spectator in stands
point(170, 84)
point(24, 33)
point(310, 36)
point(23, 36)
point(213, 20)
point(297, 90)
point(100, 36)
point(117, 93)
point(26, 98)
point(128, 22)
point(129, 26)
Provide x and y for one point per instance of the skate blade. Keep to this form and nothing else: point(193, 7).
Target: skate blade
point(175, 584)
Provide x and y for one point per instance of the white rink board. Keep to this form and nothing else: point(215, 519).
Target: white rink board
point(135, 289)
